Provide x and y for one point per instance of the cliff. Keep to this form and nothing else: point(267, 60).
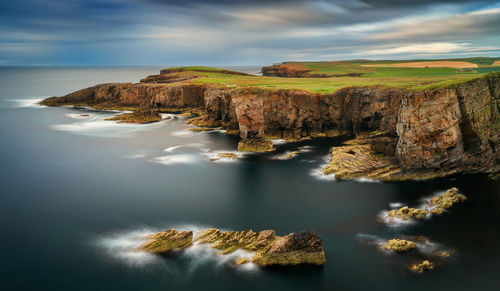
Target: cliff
point(417, 133)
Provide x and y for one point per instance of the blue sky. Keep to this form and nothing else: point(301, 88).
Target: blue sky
point(245, 32)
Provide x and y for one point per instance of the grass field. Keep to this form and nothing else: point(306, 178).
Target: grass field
point(407, 77)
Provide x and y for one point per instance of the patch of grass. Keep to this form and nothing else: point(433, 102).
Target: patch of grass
point(411, 78)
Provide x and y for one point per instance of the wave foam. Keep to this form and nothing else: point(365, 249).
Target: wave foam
point(175, 159)
point(123, 247)
point(21, 103)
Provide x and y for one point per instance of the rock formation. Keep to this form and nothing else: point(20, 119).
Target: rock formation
point(407, 133)
point(167, 241)
point(405, 213)
point(425, 265)
point(399, 245)
point(446, 200)
point(435, 205)
point(143, 115)
point(268, 249)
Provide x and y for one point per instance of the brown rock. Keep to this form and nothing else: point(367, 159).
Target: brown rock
point(405, 213)
point(167, 241)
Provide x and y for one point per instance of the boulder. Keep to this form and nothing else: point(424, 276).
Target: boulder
point(446, 200)
point(405, 213)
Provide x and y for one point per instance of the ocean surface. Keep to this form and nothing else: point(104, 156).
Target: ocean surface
point(79, 193)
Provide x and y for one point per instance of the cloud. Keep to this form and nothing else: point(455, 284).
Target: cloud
point(429, 48)
point(211, 32)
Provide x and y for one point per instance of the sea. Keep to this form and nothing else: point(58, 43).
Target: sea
point(78, 195)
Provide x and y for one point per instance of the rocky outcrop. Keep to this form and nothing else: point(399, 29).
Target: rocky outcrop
point(142, 115)
point(267, 248)
point(420, 133)
point(167, 241)
point(405, 213)
point(433, 206)
point(399, 245)
point(442, 202)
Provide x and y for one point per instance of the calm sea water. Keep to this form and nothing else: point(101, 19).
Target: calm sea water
point(78, 193)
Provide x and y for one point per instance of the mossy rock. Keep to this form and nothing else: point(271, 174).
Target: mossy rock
point(255, 145)
point(399, 245)
point(405, 213)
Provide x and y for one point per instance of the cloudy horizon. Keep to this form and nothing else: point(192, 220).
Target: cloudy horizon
point(221, 32)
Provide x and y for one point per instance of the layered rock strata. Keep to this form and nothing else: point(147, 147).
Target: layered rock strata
point(266, 247)
point(423, 133)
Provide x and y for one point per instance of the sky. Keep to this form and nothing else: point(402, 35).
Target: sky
point(246, 32)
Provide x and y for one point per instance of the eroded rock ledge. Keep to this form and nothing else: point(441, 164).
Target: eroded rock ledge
point(265, 247)
point(406, 134)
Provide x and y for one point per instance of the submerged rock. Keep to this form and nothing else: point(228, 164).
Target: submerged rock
point(446, 200)
point(405, 213)
point(425, 265)
point(167, 241)
point(399, 245)
point(267, 248)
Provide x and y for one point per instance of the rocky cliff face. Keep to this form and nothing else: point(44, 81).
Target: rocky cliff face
point(441, 131)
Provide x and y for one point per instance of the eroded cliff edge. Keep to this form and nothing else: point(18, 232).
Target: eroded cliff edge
point(403, 133)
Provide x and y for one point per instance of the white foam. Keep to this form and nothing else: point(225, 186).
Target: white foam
point(278, 141)
point(183, 133)
point(318, 172)
point(21, 103)
point(395, 204)
point(136, 156)
point(394, 221)
point(306, 149)
point(366, 180)
point(175, 159)
point(98, 126)
point(123, 247)
point(215, 158)
point(79, 115)
point(189, 145)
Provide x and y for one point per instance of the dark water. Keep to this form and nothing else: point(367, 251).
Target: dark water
point(78, 192)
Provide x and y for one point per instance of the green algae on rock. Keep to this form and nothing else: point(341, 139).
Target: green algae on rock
point(399, 245)
point(255, 145)
point(167, 241)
